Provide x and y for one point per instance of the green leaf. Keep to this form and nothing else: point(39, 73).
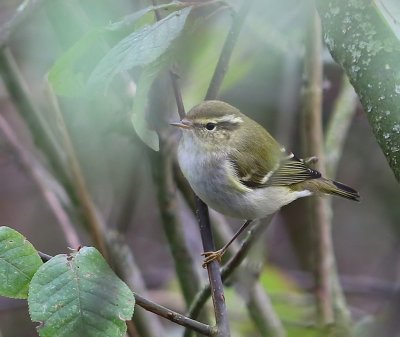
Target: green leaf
point(138, 118)
point(19, 261)
point(70, 72)
point(79, 295)
point(390, 10)
point(141, 16)
point(140, 48)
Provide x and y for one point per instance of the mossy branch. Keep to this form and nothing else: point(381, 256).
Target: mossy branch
point(363, 43)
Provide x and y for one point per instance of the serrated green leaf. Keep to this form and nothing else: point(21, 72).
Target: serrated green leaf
point(140, 48)
point(19, 261)
point(79, 295)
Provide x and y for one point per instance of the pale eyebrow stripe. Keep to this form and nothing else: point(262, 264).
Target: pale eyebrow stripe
point(229, 119)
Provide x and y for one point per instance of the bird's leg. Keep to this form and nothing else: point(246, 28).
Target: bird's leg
point(217, 255)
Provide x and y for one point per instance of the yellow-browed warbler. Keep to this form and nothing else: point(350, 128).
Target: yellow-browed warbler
point(237, 168)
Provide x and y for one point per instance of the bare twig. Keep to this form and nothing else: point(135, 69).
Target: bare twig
point(227, 270)
point(338, 125)
point(230, 42)
point(216, 286)
point(19, 92)
point(330, 299)
point(312, 128)
point(202, 210)
point(174, 316)
point(258, 302)
point(263, 313)
point(24, 11)
point(90, 213)
point(163, 172)
point(161, 164)
point(46, 183)
point(126, 268)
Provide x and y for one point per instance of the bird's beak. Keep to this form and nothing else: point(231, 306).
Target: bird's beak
point(184, 124)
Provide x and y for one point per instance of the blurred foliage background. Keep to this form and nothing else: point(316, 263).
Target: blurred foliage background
point(265, 81)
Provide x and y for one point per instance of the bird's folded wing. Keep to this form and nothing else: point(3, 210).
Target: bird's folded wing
point(292, 171)
point(287, 171)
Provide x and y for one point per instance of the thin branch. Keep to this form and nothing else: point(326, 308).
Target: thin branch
point(174, 316)
point(338, 125)
point(258, 302)
point(216, 286)
point(90, 213)
point(21, 96)
point(312, 128)
point(23, 12)
point(48, 186)
point(331, 302)
point(177, 92)
point(127, 269)
point(161, 165)
point(174, 77)
point(202, 209)
point(228, 269)
point(263, 314)
point(230, 42)
point(162, 169)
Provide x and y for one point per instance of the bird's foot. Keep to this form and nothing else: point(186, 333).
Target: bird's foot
point(212, 256)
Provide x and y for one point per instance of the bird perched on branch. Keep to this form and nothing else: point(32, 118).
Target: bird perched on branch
point(237, 168)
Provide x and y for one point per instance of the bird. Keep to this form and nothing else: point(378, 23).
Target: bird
point(237, 168)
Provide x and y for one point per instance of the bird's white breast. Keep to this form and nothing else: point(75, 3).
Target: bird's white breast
point(211, 178)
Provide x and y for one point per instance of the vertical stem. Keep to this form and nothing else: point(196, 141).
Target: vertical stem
point(161, 164)
point(23, 13)
point(337, 130)
point(44, 181)
point(313, 143)
point(202, 209)
point(78, 181)
point(214, 275)
point(19, 92)
point(230, 42)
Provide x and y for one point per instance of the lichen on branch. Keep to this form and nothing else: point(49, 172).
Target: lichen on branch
point(363, 42)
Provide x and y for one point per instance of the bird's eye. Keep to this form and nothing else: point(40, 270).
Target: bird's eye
point(210, 126)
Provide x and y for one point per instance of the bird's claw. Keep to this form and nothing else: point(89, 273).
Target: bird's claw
point(212, 256)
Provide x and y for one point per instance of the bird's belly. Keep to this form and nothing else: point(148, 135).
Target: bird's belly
point(210, 181)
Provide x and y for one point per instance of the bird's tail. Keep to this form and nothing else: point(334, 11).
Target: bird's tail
point(333, 187)
point(327, 186)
